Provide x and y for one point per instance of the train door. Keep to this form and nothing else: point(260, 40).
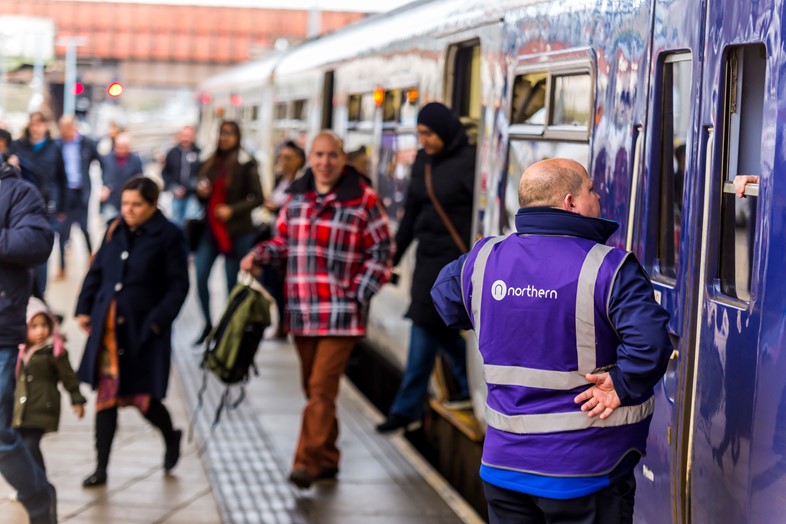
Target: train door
point(664, 239)
point(462, 88)
point(738, 127)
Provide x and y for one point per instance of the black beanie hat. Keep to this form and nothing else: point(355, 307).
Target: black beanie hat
point(441, 120)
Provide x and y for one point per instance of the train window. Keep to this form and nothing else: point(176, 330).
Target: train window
point(254, 113)
point(529, 99)
point(554, 103)
point(464, 79)
point(743, 115)
point(675, 108)
point(299, 110)
point(353, 108)
point(281, 111)
point(360, 108)
point(522, 154)
point(409, 107)
point(391, 105)
point(571, 102)
point(396, 155)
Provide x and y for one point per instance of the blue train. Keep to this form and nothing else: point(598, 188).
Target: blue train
point(664, 102)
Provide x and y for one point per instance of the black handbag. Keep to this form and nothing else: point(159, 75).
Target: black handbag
point(194, 230)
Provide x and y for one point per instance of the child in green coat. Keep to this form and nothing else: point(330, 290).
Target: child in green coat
point(42, 363)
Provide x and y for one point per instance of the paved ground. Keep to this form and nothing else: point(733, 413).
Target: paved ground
point(246, 459)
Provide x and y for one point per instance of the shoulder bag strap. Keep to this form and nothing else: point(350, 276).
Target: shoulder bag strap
point(441, 212)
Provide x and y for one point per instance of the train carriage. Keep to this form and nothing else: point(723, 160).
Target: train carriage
point(664, 102)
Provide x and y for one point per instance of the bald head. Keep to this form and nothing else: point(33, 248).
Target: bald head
point(329, 135)
point(559, 183)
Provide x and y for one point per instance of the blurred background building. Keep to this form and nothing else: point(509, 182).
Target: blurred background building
point(151, 53)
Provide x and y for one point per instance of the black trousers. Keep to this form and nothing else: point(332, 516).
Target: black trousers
point(612, 505)
point(75, 213)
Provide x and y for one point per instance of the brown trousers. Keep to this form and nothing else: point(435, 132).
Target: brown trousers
point(322, 362)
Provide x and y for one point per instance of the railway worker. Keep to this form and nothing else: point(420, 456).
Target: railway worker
point(119, 166)
point(438, 214)
point(79, 153)
point(42, 164)
point(572, 342)
point(181, 174)
point(26, 240)
point(335, 237)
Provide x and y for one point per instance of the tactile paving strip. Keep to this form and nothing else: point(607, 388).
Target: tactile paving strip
point(249, 482)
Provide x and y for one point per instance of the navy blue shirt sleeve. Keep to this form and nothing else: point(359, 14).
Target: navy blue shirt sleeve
point(641, 323)
point(447, 297)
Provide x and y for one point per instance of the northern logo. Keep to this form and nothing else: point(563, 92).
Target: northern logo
point(500, 290)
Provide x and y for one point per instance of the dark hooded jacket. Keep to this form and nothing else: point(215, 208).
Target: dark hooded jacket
point(25, 241)
point(453, 180)
point(43, 167)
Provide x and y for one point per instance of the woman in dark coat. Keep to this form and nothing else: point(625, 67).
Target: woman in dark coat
point(230, 188)
point(131, 295)
point(446, 153)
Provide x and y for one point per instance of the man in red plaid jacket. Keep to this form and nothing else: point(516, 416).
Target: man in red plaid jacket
point(336, 240)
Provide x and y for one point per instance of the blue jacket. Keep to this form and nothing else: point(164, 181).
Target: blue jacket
point(146, 273)
point(25, 241)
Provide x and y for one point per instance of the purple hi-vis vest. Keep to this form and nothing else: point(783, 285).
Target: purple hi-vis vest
point(539, 308)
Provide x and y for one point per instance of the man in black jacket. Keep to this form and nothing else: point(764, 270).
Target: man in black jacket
point(438, 214)
point(181, 174)
point(79, 153)
point(25, 241)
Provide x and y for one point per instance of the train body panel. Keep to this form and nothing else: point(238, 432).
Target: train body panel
point(664, 102)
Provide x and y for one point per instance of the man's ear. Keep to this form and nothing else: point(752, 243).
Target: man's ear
point(569, 203)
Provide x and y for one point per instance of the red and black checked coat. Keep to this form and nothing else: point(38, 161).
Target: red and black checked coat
point(338, 249)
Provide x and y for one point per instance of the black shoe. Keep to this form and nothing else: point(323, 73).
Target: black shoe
point(327, 474)
point(203, 336)
point(301, 478)
point(172, 454)
point(396, 422)
point(96, 479)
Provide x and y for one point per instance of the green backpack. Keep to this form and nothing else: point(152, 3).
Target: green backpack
point(232, 344)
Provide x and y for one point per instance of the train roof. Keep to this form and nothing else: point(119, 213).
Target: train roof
point(385, 30)
point(247, 75)
point(366, 37)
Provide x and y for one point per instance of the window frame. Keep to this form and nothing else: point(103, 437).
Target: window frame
point(548, 131)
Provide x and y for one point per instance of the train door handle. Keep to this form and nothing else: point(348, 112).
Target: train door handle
point(670, 379)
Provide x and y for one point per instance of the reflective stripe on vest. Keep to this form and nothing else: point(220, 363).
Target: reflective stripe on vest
point(571, 421)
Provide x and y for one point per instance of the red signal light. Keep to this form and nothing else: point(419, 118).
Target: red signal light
point(236, 100)
point(78, 88)
point(115, 89)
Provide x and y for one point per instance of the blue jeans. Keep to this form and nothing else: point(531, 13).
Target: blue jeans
point(424, 343)
point(205, 257)
point(186, 208)
point(16, 464)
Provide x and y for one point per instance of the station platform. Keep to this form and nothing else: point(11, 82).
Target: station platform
point(237, 472)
